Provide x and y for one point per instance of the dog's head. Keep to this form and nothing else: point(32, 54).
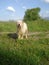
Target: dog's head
point(19, 24)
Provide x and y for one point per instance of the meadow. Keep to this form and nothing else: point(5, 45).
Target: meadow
point(31, 51)
point(33, 26)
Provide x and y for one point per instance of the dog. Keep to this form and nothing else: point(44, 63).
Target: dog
point(22, 29)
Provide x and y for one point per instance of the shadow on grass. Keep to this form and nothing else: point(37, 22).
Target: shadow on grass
point(13, 35)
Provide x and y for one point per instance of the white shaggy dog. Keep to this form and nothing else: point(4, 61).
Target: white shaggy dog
point(22, 29)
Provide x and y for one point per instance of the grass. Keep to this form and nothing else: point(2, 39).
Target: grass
point(7, 26)
point(38, 25)
point(33, 26)
point(31, 51)
point(24, 52)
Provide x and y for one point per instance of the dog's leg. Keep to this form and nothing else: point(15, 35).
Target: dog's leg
point(19, 36)
point(26, 36)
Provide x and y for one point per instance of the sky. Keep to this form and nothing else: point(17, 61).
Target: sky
point(15, 9)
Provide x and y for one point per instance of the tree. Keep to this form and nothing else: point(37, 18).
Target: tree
point(32, 14)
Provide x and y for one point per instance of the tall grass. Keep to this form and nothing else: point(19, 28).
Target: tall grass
point(31, 51)
point(39, 25)
point(7, 26)
point(24, 52)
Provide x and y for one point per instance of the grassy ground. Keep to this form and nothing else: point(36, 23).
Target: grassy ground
point(7, 26)
point(39, 25)
point(31, 51)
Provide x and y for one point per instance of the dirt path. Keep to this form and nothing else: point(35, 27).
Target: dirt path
point(30, 33)
point(36, 33)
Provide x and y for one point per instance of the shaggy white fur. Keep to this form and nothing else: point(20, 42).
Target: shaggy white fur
point(22, 29)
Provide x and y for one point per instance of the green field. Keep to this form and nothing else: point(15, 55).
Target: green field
point(7, 26)
point(31, 51)
point(33, 26)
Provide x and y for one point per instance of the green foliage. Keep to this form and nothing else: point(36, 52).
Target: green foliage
point(24, 52)
point(7, 26)
point(38, 25)
point(31, 51)
point(33, 26)
point(32, 14)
